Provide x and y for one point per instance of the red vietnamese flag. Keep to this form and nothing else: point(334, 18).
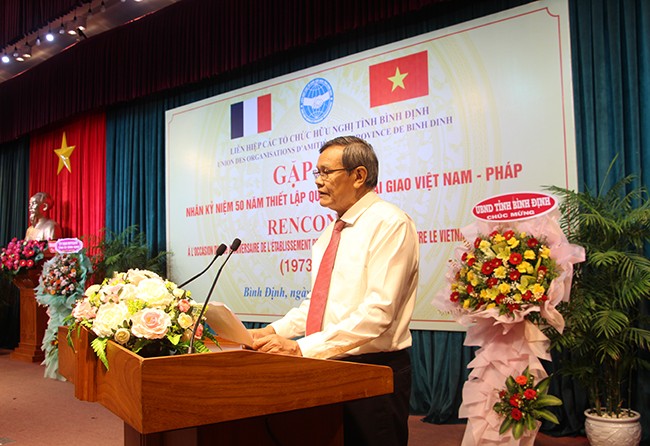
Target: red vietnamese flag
point(399, 79)
point(69, 163)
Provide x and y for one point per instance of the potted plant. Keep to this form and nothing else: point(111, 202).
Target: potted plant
point(604, 336)
point(129, 249)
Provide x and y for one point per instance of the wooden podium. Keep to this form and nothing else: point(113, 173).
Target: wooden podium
point(33, 318)
point(227, 397)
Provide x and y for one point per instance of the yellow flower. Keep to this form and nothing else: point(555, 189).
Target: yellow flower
point(466, 303)
point(489, 293)
point(498, 238)
point(484, 245)
point(490, 306)
point(122, 336)
point(504, 288)
point(529, 254)
point(185, 320)
point(544, 252)
point(537, 290)
point(513, 242)
point(525, 267)
point(503, 252)
point(500, 272)
point(517, 297)
point(472, 278)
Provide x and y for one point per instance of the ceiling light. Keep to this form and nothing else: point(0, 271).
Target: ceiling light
point(27, 51)
point(38, 40)
point(62, 29)
point(49, 36)
point(89, 14)
point(81, 22)
point(16, 53)
point(102, 8)
point(5, 58)
point(71, 27)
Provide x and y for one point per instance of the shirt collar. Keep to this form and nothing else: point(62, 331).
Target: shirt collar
point(352, 215)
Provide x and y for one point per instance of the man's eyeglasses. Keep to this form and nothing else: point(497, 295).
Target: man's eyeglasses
point(324, 173)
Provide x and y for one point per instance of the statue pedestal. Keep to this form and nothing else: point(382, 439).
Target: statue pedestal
point(33, 318)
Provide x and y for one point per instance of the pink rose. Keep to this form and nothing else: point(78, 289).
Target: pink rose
point(199, 332)
point(150, 323)
point(184, 305)
point(84, 310)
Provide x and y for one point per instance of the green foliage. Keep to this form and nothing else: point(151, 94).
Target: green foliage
point(99, 347)
point(605, 332)
point(116, 252)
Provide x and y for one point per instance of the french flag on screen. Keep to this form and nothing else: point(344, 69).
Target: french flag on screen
point(250, 117)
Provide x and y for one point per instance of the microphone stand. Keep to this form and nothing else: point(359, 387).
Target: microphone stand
point(220, 250)
point(234, 247)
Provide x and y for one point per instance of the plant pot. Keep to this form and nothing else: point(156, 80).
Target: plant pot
point(606, 431)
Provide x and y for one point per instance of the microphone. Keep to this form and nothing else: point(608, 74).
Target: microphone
point(233, 247)
point(220, 250)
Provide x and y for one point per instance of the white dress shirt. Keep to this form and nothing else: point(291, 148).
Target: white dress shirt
point(373, 287)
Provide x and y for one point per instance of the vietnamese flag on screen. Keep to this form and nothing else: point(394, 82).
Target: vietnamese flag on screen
point(399, 79)
point(250, 117)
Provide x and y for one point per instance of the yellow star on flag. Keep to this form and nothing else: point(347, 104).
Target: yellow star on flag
point(398, 80)
point(63, 153)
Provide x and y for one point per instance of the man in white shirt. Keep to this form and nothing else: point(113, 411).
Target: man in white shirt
point(371, 294)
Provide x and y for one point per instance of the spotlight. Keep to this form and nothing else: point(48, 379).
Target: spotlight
point(18, 56)
point(102, 8)
point(5, 58)
point(81, 22)
point(38, 40)
point(71, 27)
point(89, 14)
point(49, 36)
point(62, 29)
point(27, 51)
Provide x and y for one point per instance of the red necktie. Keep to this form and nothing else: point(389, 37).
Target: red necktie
point(322, 285)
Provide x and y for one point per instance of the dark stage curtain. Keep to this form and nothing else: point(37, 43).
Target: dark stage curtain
point(14, 184)
point(135, 171)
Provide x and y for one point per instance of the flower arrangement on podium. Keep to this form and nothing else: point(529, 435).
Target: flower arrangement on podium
point(504, 283)
point(61, 283)
point(20, 255)
point(142, 312)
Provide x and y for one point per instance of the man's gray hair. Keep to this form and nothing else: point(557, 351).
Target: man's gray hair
point(357, 152)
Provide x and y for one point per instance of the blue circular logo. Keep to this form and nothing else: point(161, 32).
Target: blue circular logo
point(316, 100)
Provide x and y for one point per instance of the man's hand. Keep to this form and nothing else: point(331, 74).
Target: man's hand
point(277, 344)
point(258, 333)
